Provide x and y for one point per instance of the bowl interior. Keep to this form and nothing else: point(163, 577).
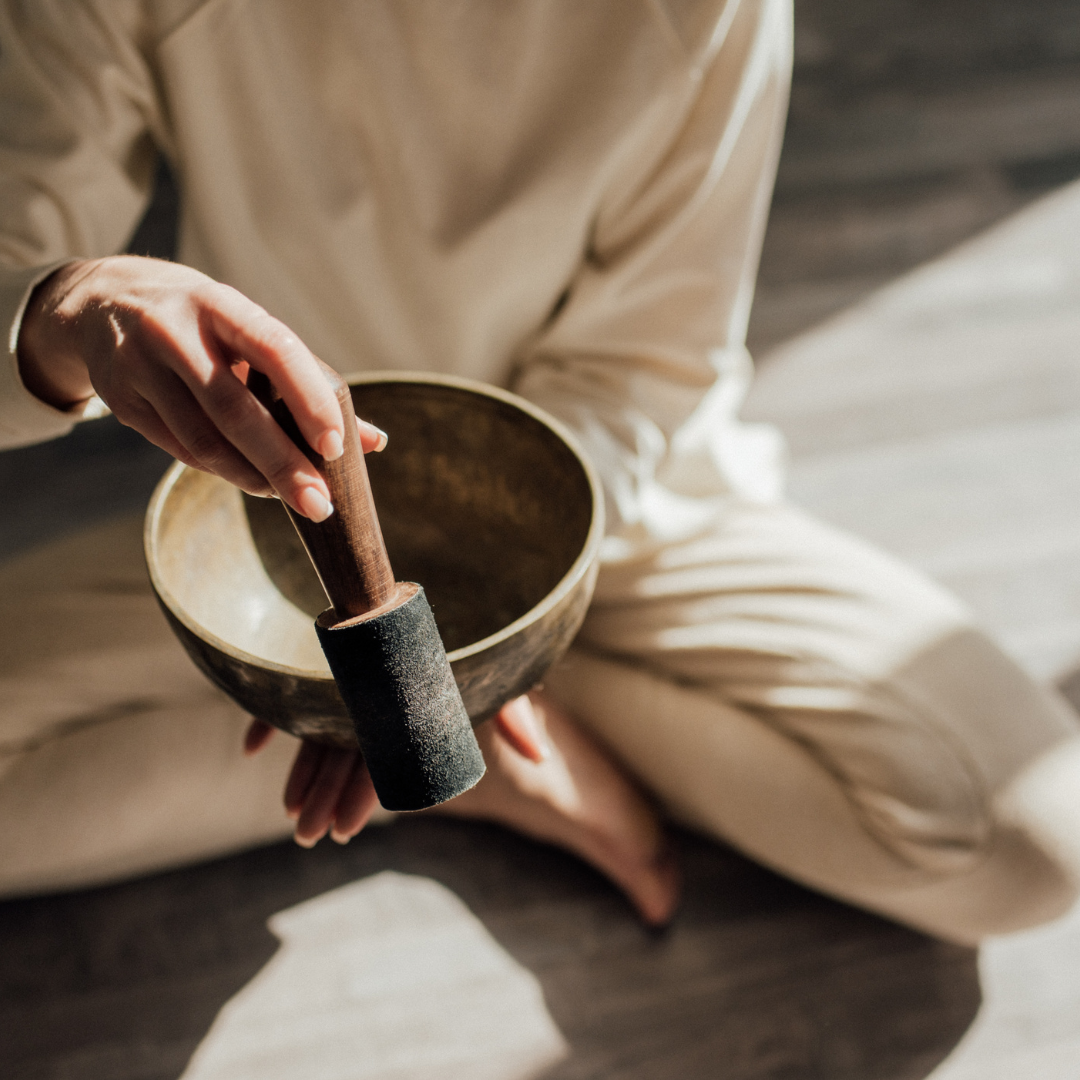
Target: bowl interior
point(480, 502)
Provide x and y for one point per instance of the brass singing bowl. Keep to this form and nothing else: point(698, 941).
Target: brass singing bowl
point(484, 499)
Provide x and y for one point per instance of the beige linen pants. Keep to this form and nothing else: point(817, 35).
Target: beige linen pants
point(778, 685)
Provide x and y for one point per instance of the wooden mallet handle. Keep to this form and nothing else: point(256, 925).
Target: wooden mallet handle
point(380, 639)
point(347, 549)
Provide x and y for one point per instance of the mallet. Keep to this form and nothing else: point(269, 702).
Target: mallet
point(379, 636)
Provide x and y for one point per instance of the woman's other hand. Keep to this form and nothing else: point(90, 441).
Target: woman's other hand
point(328, 790)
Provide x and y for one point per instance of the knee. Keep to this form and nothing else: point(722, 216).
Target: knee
point(1038, 837)
point(1018, 885)
point(968, 773)
point(1037, 885)
point(1026, 872)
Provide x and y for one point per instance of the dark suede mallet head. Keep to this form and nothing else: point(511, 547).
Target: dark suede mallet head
point(380, 637)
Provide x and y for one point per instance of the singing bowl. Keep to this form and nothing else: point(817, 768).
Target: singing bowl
point(484, 499)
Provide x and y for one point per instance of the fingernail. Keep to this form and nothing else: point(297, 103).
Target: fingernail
point(339, 838)
point(306, 841)
point(378, 432)
point(330, 446)
point(313, 504)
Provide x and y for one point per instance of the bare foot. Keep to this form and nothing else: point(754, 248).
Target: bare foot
point(547, 779)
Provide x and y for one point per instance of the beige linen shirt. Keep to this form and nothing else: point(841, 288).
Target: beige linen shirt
point(564, 197)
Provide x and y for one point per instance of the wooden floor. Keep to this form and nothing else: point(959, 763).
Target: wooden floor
point(939, 417)
point(533, 960)
point(914, 124)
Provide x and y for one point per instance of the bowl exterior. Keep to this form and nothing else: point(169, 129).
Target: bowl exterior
point(306, 703)
point(310, 707)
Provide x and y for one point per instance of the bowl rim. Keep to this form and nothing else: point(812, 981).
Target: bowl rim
point(586, 557)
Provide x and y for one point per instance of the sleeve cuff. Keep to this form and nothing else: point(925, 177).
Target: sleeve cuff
point(25, 419)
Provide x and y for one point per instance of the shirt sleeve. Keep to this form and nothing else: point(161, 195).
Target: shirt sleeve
point(645, 360)
point(77, 107)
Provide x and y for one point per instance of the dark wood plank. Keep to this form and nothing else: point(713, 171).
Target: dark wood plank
point(914, 124)
point(757, 978)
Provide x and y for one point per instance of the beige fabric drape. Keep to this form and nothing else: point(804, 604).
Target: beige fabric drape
point(776, 684)
point(566, 198)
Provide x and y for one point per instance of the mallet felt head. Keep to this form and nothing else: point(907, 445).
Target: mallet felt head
point(393, 675)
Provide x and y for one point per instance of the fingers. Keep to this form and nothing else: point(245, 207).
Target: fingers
point(223, 426)
point(329, 788)
point(269, 346)
point(203, 444)
point(259, 733)
point(228, 432)
point(305, 769)
point(143, 418)
point(357, 801)
point(372, 439)
point(317, 813)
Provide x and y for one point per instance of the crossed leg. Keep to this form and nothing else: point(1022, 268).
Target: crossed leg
point(776, 684)
point(835, 715)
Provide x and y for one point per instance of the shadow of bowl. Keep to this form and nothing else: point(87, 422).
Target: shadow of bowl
point(484, 499)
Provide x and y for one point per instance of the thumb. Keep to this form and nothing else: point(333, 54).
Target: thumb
point(522, 727)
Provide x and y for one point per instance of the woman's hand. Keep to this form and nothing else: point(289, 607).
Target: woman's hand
point(168, 350)
point(329, 789)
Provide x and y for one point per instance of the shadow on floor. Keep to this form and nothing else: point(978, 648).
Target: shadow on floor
point(757, 978)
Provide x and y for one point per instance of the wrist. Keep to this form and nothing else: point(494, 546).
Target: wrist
point(49, 367)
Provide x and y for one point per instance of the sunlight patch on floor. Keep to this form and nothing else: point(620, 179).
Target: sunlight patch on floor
point(391, 977)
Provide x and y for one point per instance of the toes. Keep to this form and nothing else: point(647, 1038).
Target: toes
point(658, 892)
point(574, 795)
